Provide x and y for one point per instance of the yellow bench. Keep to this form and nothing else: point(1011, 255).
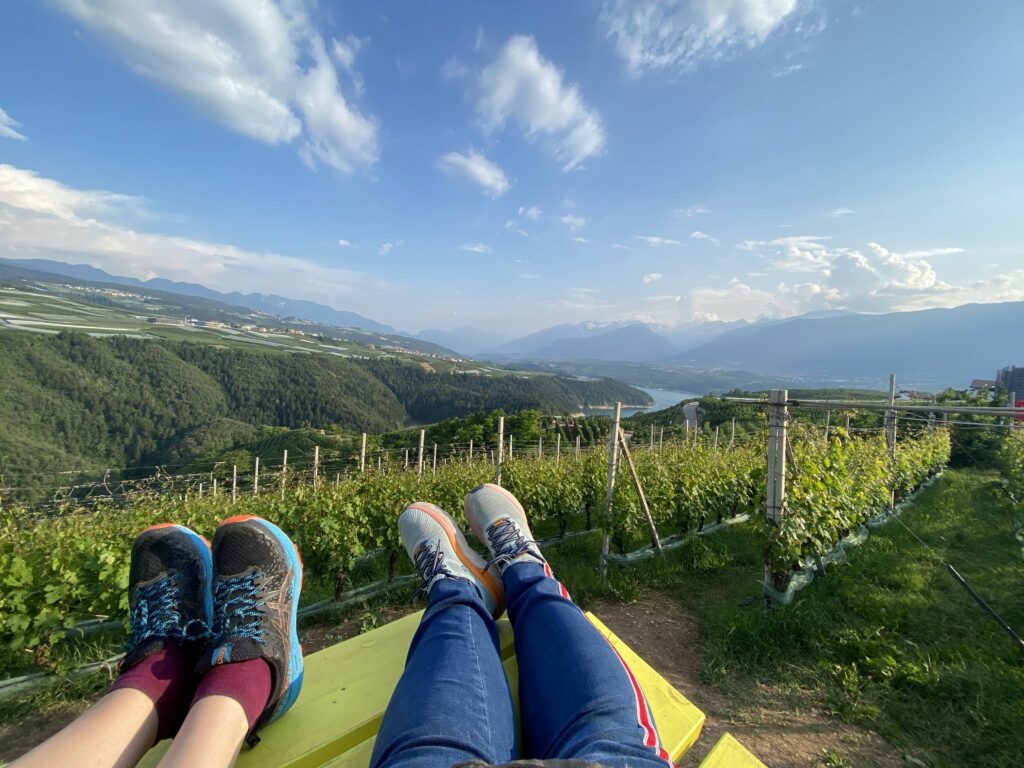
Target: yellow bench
point(347, 688)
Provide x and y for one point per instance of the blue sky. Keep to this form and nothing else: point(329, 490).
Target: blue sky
point(510, 166)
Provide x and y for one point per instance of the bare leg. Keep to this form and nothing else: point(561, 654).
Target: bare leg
point(211, 735)
point(115, 733)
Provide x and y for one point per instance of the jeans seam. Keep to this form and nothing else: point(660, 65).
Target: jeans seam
point(492, 751)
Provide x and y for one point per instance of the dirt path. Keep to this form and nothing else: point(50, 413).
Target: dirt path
point(769, 723)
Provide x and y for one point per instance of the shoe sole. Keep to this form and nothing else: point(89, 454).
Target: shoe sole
point(472, 519)
point(466, 555)
point(295, 665)
point(205, 555)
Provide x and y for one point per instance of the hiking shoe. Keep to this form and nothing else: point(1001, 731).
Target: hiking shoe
point(499, 521)
point(256, 585)
point(168, 590)
point(440, 551)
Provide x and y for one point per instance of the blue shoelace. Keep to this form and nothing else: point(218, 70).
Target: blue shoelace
point(157, 613)
point(507, 542)
point(238, 609)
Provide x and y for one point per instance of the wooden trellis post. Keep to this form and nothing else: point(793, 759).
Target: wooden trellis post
point(613, 463)
point(316, 464)
point(256, 478)
point(540, 447)
point(778, 414)
point(471, 449)
point(419, 454)
point(284, 472)
point(732, 434)
point(434, 469)
point(234, 483)
point(652, 438)
point(558, 447)
point(501, 447)
point(362, 453)
point(577, 446)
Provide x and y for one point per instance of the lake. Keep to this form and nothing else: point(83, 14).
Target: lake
point(663, 398)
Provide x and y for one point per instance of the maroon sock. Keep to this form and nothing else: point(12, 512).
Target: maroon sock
point(168, 678)
point(247, 682)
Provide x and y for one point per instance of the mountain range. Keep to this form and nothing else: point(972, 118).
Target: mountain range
point(927, 348)
point(269, 303)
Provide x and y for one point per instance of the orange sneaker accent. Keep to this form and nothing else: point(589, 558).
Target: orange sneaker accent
point(175, 525)
point(237, 519)
point(487, 578)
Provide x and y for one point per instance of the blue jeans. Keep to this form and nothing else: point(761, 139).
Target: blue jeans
point(578, 699)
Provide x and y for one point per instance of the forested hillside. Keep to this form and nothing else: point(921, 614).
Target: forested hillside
point(74, 402)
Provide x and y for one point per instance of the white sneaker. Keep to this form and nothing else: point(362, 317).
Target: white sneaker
point(440, 551)
point(499, 521)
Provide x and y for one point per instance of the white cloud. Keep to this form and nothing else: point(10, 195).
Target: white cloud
point(260, 68)
point(574, 223)
point(580, 240)
point(657, 242)
point(683, 35)
point(523, 232)
point(786, 71)
point(477, 248)
point(621, 247)
point(387, 247)
point(344, 243)
point(836, 213)
point(524, 87)
point(7, 127)
point(698, 235)
point(689, 213)
point(652, 277)
point(533, 212)
point(528, 275)
point(478, 169)
point(43, 218)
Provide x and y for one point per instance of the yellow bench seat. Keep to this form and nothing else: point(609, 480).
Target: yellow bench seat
point(347, 688)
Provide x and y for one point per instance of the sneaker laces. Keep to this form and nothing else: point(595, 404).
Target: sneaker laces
point(157, 613)
point(508, 542)
point(430, 565)
point(238, 608)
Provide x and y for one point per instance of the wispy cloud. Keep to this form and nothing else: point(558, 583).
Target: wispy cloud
point(269, 76)
point(786, 70)
point(478, 169)
point(533, 212)
point(652, 277)
point(522, 86)
point(387, 247)
point(698, 235)
point(477, 248)
point(7, 127)
point(679, 35)
point(836, 213)
point(528, 275)
point(574, 223)
point(689, 213)
point(580, 240)
point(657, 242)
point(621, 247)
point(344, 243)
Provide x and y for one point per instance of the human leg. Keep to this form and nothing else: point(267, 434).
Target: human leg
point(169, 578)
point(452, 703)
point(578, 698)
